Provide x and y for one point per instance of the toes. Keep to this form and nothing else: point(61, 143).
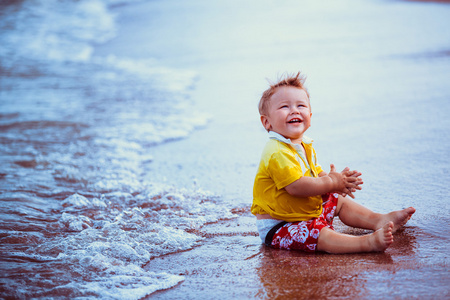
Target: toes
point(410, 210)
point(390, 227)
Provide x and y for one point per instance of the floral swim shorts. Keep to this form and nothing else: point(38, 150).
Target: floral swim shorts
point(303, 235)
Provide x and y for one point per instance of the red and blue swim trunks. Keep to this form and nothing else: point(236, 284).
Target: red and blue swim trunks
point(303, 235)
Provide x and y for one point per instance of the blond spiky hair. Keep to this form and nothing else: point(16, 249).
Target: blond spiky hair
point(296, 81)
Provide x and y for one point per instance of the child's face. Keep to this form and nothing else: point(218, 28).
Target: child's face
point(289, 113)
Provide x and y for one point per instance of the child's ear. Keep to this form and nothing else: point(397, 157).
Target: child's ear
point(265, 122)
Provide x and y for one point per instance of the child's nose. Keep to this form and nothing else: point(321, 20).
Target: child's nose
point(294, 110)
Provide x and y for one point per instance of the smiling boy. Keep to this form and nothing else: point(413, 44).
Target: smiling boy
point(294, 200)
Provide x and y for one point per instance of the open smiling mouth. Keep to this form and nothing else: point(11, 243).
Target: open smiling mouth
point(295, 121)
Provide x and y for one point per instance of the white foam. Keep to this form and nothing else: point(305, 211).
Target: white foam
point(77, 201)
point(57, 31)
point(132, 285)
point(164, 77)
point(75, 222)
point(68, 110)
point(114, 235)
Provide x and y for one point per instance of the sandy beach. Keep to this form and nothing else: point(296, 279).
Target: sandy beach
point(356, 71)
point(131, 137)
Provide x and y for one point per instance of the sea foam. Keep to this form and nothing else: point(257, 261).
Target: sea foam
point(78, 130)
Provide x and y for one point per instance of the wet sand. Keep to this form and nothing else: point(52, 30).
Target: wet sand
point(231, 263)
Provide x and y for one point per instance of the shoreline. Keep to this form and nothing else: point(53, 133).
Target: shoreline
point(222, 158)
point(135, 179)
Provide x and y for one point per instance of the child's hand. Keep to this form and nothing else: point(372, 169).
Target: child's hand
point(346, 182)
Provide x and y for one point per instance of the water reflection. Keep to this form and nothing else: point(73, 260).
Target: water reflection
point(293, 274)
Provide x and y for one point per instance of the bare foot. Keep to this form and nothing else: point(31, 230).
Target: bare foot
point(399, 218)
point(381, 239)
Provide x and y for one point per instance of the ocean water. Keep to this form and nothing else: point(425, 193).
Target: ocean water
point(89, 90)
point(77, 219)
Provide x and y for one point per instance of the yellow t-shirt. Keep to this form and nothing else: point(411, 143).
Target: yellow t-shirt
point(282, 164)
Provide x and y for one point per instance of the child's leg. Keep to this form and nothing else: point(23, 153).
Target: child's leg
point(356, 215)
point(333, 242)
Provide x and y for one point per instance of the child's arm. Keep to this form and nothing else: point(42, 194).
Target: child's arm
point(345, 182)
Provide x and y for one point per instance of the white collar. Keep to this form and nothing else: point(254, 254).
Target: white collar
point(279, 137)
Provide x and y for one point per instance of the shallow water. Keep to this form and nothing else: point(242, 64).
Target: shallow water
point(78, 217)
point(129, 132)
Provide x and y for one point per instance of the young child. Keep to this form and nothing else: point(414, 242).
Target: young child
point(294, 200)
